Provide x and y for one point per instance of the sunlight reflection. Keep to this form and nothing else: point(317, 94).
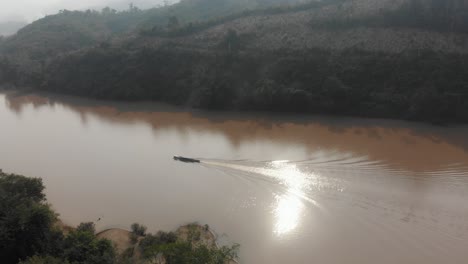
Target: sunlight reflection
point(287, 213)
point(289, 206)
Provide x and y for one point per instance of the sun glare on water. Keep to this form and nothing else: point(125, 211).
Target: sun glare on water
point(289, 206)
point(287, 213)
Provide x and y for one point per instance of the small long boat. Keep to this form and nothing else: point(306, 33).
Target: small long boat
point(185, 159)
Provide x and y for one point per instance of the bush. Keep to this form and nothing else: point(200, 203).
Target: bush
point(87, 227)
point(159, 239)
point(44, 260)
point(82, 247)
point(139, 230)
point(134, 238)
point(25, 219)
point(27, 229)
point(185, 252)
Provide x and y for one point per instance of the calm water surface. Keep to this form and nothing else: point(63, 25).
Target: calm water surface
point(289, 189)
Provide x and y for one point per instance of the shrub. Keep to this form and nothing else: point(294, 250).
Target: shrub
point(159, 239)
point(86, 227)
point(25, 220)
point(44, 260)
point(185, 252)
point(83, 247)
point(27, 229)
point(139, 230)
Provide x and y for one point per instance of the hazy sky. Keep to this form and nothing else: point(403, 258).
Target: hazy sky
point(29, 10)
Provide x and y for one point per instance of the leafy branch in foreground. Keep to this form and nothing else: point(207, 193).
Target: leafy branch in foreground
point(28, 229)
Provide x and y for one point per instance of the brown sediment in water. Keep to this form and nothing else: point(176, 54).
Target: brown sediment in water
point(426, 147)
point(398, 186)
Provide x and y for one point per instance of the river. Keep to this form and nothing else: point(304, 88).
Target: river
point(287, 188)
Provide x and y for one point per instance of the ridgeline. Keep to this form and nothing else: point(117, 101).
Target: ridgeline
point(402, 59)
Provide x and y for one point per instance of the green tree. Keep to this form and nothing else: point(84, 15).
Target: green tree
point(106, 11)
point(139, 230)
point(232, 41)
point(173, 23)
point(44, 260)
point(27, 229)
point(185, 252)
point(82, 247)
point(159, 239)
point(25, 219)
point(86, 227)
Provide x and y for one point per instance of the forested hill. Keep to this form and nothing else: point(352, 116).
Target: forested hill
point(69, 30)
point(73, 30)
point(381, 58)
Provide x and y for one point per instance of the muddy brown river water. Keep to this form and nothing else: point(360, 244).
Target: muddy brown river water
point(287, 188)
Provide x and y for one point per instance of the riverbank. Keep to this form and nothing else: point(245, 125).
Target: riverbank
point(129, 247)
point(364, 58)
point(277, 82)
point(361, 171)
point(40, 97)
point(31, 233)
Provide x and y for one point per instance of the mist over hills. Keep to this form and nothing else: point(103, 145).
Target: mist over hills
point(384, 58)
point(10, 27)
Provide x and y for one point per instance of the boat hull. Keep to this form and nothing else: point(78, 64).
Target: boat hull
point(186, 160)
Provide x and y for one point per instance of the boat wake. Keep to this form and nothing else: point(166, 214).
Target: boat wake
point(372, 191)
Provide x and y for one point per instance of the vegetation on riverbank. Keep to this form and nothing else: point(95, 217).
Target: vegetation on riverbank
point(30, 233)
point(422, 85)
point(415, 69)
point(28, 228)
point(189, 244)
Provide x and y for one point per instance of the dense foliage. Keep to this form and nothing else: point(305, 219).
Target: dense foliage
point(25, 220)
point(27, 52)
point(193, 11)
point(70, 53)
point(443, 16)
point(181, 252)
point(29, 234)
point(185, 252)
point(72, 30)
point(28, 231)
point(420, 85)
point(242, 9)
point(139, 230)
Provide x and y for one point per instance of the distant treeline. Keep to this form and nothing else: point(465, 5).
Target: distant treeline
point(175, 29)
point(68, 31)
point(421, 85)
point(68, 54)
point(434, 15)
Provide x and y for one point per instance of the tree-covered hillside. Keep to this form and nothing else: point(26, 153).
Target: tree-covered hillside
point(36, 44)
point(187, 11)
point(435, 15)
point(386, 58)
point(71, 30)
